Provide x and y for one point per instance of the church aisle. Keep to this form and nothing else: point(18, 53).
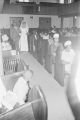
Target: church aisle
point(58, 106)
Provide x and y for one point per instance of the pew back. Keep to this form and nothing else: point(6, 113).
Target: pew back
point(34, 109)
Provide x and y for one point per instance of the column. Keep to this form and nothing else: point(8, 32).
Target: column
point(62, 22)
point(1, 60)
point(74, 21)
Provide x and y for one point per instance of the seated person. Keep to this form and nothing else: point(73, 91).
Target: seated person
point(12, 99)
point(22, 87)
point(5, 43)
point(9, 100)
point(68, 56)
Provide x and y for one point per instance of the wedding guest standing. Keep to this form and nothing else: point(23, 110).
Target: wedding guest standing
point(58, 66)
point(14, 34)
point(67, 59)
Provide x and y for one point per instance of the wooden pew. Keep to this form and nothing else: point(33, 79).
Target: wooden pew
point(34, 109)
point(40, 108)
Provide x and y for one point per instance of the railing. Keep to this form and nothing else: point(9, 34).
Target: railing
point(12, 64)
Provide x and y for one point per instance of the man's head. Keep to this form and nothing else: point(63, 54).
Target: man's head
point(56, 37)
point(68, 44)
point(28, 75)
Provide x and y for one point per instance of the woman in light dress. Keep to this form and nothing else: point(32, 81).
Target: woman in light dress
point(23, 43)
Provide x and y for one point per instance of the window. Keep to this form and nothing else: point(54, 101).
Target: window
point(61, 1)
point(23, 0)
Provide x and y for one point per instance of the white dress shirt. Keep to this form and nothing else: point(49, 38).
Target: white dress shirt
point(10, 100)
point(67, 57)
point(21, 89)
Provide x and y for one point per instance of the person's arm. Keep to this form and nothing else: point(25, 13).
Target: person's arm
point(63, 58)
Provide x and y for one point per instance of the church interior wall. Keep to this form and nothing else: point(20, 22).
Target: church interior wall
point(33, 20)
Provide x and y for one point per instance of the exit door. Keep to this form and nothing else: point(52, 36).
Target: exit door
point(44, 22)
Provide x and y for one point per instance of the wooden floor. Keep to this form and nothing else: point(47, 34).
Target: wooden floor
point(58, 107)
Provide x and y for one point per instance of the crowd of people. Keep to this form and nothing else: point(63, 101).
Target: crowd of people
point(53, 48)
point(54, 53)
point(49, 46)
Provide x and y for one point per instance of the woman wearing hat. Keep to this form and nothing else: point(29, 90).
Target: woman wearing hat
point(67, 58)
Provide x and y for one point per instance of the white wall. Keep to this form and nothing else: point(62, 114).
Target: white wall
point(68, 22)
point(56, 21)
point(4, 21)
point(78, 22)
point(33, 20)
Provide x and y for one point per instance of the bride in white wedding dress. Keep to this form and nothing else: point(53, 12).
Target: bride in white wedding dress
point(23, 43)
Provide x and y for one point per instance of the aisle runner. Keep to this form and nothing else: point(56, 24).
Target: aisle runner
point(58, 107)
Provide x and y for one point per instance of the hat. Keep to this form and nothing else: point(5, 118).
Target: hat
point(56, 35)
point(67, 43)
point(5, 37)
